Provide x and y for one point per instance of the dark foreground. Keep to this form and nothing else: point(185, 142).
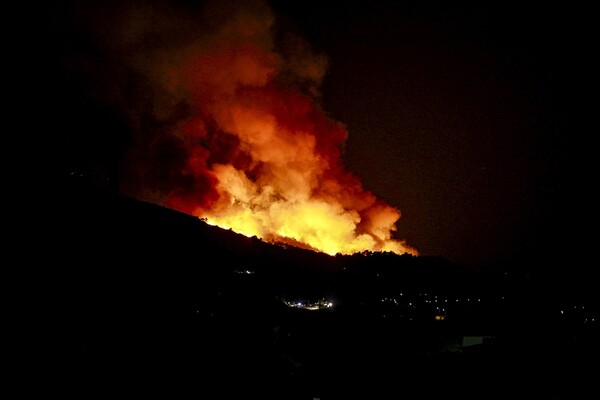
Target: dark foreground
point(138, 309)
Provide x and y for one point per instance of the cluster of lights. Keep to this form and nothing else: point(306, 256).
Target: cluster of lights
point(320, 304)
point(580, 312)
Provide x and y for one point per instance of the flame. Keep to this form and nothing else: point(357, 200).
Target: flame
point(235, 134)
point(284, 180)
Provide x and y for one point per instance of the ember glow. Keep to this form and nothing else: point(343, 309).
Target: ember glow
point(235, 133)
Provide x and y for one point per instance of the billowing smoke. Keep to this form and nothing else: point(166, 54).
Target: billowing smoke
point(227, 125)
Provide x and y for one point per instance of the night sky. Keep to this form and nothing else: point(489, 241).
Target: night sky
point(474, 120)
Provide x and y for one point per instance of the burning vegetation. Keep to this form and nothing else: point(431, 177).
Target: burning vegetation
point(227, 125)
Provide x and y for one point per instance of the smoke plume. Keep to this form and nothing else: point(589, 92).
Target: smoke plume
point(226, 123)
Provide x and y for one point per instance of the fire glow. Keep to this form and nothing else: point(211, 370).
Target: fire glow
point(253, 152)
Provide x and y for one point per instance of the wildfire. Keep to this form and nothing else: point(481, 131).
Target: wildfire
point(252, 150)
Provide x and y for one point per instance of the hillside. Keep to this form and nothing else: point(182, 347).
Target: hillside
point(155, 301)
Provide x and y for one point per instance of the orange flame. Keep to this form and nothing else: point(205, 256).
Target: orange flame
point(290, 188)
point(255, 153)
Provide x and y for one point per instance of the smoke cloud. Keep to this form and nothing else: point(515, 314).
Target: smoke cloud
point(226, 124)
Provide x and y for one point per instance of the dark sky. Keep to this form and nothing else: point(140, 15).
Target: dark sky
point(474, 119)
